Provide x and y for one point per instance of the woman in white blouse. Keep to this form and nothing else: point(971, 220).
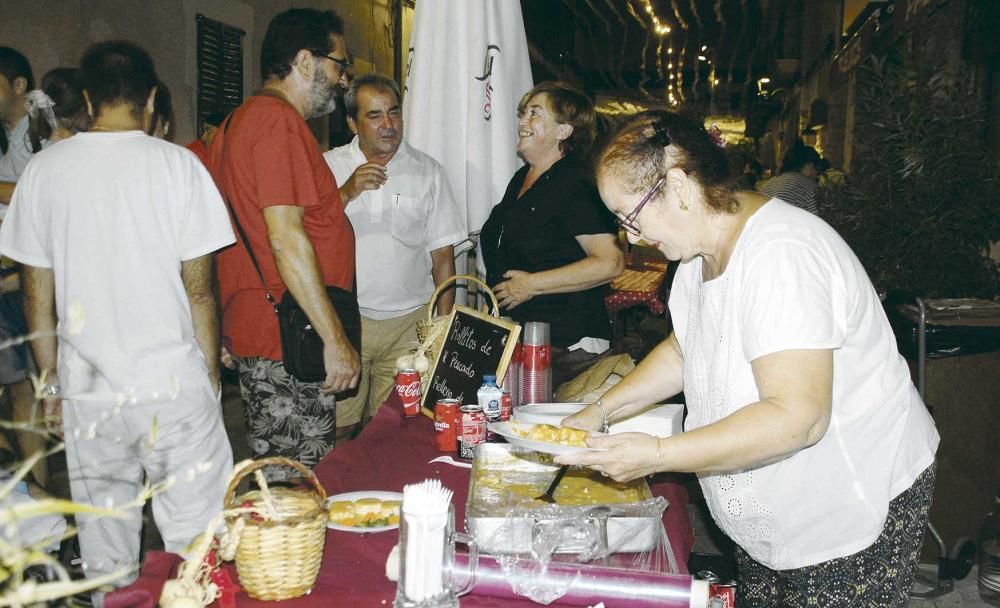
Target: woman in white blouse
point(813, 448)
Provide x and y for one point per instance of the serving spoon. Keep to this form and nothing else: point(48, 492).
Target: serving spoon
point(549, 495)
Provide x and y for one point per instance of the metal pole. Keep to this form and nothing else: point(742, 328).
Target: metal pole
point(397, 41)
point(922, 351)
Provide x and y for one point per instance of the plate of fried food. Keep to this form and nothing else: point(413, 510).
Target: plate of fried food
point(367, 511)
point(545, 438)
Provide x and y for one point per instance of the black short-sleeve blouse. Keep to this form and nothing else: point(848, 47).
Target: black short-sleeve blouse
point(538, 232)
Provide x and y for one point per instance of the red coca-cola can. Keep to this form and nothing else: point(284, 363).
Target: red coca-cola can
point(472, 430)
point(722, 595)
point(506, 406)
point(446, 420)
point(408, 389)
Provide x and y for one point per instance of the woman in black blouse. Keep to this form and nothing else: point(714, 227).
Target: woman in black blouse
point(550, 243)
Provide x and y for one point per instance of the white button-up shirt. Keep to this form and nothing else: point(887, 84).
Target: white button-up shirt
point(397, 227)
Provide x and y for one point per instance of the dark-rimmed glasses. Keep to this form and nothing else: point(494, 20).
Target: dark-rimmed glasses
point(629, 222)
point(343, 63)
point(661, 138)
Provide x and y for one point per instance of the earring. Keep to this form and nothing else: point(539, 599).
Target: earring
point(683, 205)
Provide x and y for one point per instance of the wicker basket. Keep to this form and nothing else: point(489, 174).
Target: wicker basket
point(281, 546)
point(431, 331)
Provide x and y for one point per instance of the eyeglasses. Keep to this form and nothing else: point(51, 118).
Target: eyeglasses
point(343, 63)
point(629, 222)
point(660, 138)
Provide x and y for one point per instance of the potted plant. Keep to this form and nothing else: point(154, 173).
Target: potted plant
point(921, 205)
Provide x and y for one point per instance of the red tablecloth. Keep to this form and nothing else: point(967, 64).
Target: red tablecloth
point(638, 286)
point(391, 452)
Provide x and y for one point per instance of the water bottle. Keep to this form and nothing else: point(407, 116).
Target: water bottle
point(489, 396)
point(989, 556)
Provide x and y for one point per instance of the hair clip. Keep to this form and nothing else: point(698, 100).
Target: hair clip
point(716, 135)
point(657, 134)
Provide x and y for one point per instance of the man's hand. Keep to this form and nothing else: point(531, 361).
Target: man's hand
point(369, 176)
point(52, 412)
point(343, 366)
point(226, 358)
point(517, 289)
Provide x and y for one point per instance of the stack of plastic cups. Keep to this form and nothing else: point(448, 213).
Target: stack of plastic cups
point(536, 364)
point(512, 379)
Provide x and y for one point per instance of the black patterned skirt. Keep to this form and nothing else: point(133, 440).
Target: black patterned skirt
point(878, 576)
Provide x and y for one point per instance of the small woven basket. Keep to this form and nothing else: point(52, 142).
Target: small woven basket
point(431, 331)
point(281, 547)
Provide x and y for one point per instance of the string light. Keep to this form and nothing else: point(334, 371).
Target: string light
point(659, 27)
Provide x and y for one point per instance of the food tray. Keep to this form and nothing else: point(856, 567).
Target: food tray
point(502, 523)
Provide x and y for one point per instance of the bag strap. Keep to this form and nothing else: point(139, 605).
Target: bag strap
point(236, 219)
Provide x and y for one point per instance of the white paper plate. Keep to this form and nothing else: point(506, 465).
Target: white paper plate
point(659, 420)
point(507, 431)
point(352, 496)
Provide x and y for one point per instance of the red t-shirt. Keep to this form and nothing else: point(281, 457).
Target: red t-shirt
point(200, 150)
point(268, 157)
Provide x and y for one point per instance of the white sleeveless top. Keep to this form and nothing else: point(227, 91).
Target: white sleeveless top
point(792, 283)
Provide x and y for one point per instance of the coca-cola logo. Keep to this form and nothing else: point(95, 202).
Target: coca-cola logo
point(409, 390)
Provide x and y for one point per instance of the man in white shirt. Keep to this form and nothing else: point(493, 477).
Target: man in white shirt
point(115, 231)
point(406, 224)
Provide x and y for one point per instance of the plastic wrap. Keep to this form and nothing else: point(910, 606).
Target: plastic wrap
point(602, 523)
point(575, 584)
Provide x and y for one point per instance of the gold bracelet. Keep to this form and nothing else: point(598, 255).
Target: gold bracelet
point(604, 427)
point(656, 463)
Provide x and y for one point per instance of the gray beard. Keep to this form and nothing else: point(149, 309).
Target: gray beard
point(322, 96)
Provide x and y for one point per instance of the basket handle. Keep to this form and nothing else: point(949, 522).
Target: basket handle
point(276, 460)
point(447, 282)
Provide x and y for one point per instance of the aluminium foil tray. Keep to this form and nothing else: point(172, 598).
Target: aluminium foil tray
point(501, 526)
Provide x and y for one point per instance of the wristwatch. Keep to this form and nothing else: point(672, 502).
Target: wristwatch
point(51, 390)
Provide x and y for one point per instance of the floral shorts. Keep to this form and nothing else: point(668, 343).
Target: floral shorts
point(879, 576)
point(286, 417)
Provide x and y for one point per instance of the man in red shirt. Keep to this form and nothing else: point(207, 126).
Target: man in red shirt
point(200, 146)
point(268, 165)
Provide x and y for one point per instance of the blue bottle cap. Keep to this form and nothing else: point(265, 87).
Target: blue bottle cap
point(489, 379)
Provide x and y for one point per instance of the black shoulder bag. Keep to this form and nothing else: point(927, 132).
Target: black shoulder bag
point(301, 346)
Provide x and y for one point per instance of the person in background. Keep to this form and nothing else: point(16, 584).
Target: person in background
point(16, 79)
point(267, 164)
point(750, 175)
point(57, 111)
point(406, 224)
point(550, 244)
point(128, 343)
point(797, 182)
point(812, 446)
point(208, 128)
point(829, 176)
point(159, 124)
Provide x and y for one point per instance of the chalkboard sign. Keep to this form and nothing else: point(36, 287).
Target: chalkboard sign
point(475, 344)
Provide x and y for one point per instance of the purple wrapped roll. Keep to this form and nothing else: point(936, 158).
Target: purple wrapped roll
point(575, 584)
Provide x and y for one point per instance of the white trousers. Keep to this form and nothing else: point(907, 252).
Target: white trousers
point(111, 449)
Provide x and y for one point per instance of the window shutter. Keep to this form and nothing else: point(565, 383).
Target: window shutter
point(220, 67)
